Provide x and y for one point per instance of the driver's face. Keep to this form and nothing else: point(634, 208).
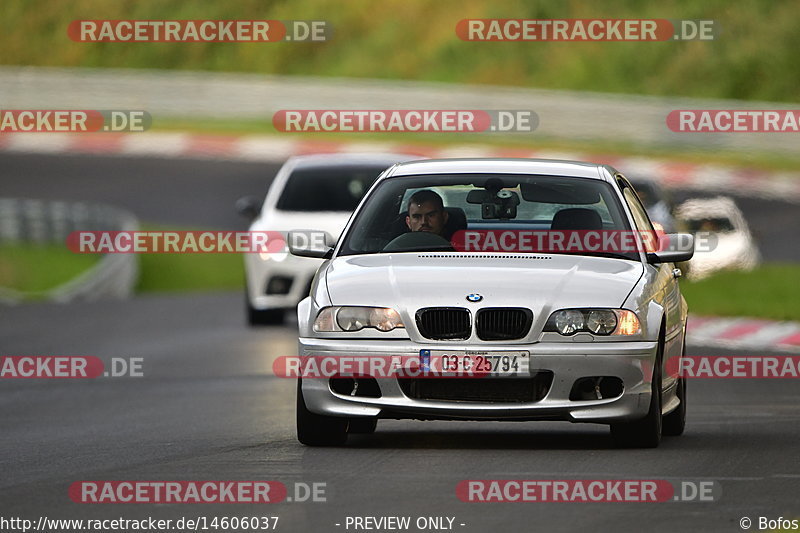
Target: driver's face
point(426, 217)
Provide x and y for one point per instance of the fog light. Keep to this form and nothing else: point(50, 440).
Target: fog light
point(279, 285)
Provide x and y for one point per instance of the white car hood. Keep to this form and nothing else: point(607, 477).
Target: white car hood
point(409, 281)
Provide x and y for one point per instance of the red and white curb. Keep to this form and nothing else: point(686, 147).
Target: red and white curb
point(272, 148)
point(743, 333)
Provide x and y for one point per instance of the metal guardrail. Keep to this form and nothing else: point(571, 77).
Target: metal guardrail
point(39, 222)
point(569, 115)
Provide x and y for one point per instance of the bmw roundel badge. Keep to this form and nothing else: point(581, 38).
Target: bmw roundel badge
point(474, 297)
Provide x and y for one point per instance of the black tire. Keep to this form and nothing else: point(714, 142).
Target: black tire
point(318, 430)
point(644, 433)
point(363, 425)
point(675, 422)
point(263, 317)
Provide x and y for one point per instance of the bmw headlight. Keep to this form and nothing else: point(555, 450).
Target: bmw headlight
point(350, 318)
point(596, 321)
point(601, 321)
point(569, 321)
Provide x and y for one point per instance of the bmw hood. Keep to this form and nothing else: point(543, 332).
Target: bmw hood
point(542, 283)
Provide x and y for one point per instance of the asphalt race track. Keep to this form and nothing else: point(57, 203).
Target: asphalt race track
point(209, 408)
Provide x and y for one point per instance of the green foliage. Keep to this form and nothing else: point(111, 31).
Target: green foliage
point(770, 291)
point(753, 57)
point(190, 272)
point(33, 269)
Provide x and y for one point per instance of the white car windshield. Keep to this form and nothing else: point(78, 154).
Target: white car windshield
point(332, 188)
point(432, 212)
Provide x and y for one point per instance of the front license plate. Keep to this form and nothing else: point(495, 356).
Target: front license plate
point(499, 364)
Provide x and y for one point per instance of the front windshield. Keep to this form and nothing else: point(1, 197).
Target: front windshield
point(443, 212)
point(711, 224)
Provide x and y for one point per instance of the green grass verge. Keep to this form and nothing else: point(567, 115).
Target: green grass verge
point(770, 291)
point(33, 269)
point(190, 272)
point(753, 57)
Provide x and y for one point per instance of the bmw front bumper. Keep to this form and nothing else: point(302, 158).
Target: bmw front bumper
point(629, 361)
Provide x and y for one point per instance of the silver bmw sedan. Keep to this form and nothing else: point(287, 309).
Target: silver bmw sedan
point(495, 289)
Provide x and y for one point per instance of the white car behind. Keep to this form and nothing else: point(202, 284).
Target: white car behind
point(722, 238)
point(310, 192)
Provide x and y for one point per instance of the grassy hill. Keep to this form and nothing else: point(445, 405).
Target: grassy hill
point(755, 57)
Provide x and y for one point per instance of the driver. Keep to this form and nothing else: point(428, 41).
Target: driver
point(426, 212)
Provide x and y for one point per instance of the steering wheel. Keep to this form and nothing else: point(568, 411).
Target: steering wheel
point(418, 241)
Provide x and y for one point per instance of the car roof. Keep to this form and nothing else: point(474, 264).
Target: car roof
point(349, 159)
point(720, 206)
point(550, 167)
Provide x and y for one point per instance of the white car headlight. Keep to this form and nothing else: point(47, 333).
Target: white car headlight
point(351, 318)
point(596, 321)
point(274, 256)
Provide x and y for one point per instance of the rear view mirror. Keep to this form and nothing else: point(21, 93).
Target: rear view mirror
point(673, 248)
point(315, 244)
point(500, 204)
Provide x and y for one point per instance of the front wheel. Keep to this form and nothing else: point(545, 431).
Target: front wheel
point(675, 422)
point(644, 433)
point(318, 430)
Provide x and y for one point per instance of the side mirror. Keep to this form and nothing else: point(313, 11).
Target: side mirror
point(248, 206)
point(316, 244)
point(673, 248)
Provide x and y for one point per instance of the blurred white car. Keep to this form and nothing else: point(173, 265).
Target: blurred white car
point(722, 238)
point(310, 192)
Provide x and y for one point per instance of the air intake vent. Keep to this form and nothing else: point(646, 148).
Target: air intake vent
point(494, 390)
point(503, 323)
point(444, 323)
